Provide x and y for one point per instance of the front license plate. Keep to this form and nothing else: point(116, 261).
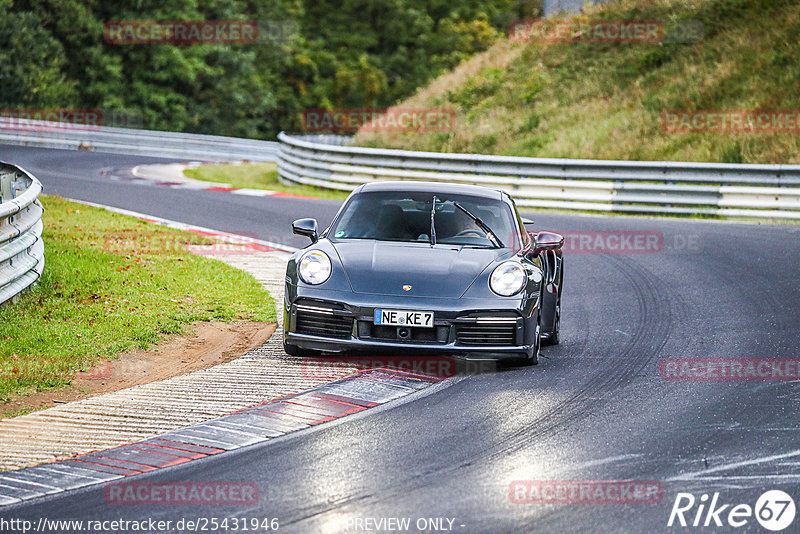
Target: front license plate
point(404, 318)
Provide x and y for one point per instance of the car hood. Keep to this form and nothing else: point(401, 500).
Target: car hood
point(384, 268)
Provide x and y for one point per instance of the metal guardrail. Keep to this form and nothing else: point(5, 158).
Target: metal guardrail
point(759, 191)
point(136, 142)
point(21, 247)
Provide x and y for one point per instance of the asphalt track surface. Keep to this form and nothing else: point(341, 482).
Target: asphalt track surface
point(595, 409)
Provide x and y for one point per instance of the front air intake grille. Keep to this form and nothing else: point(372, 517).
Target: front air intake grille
point(499, 331)
point(322, 321)
point(438, 334)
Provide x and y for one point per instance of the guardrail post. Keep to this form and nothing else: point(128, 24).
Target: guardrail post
point(6, 189)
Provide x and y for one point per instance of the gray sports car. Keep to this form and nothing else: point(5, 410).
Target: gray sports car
point(431, 267)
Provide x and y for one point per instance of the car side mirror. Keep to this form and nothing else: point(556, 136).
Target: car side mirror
point(306, 227)
point(548, 241)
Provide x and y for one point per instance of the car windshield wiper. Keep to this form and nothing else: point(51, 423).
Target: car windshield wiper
point(433, 220)
point(482, 225)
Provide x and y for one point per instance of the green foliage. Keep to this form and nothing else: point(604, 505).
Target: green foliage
point(732, 153)
point(31, 62)
point(351, 53)
point(477, 89)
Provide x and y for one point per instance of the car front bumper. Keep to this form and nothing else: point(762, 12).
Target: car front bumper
point(339, 321)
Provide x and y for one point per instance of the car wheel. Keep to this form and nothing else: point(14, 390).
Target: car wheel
point(533, 357)
point(553, 339)
point(555, 336)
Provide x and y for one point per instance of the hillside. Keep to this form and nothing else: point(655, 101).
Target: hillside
point(607, 100)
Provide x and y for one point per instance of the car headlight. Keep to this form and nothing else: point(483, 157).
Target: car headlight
point(314, 267)
point(507, 279)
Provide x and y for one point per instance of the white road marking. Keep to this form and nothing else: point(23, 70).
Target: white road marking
point(745, 463)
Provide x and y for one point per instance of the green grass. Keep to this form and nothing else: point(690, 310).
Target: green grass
point(257, 176)
point(604, 101)
point(113, 283)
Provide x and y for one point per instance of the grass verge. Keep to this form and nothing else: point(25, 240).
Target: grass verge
point(113, 283)
point(257, 176)
point(605, 100)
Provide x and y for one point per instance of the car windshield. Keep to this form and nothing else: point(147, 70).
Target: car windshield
point(406, 217)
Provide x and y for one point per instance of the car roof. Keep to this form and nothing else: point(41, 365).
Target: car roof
point(432, 187)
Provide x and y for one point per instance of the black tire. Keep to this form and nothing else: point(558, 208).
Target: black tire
point(533, 357)
point(554, 338)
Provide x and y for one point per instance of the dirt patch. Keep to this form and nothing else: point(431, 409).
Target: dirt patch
point(210, 343)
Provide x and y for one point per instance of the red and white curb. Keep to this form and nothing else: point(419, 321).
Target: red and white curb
point(239, 242)
point(259, 424)
point(171, 175)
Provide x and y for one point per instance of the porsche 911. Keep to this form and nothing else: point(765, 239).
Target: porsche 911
point(424, 267)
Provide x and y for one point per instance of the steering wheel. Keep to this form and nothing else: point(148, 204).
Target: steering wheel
point(473, 231)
